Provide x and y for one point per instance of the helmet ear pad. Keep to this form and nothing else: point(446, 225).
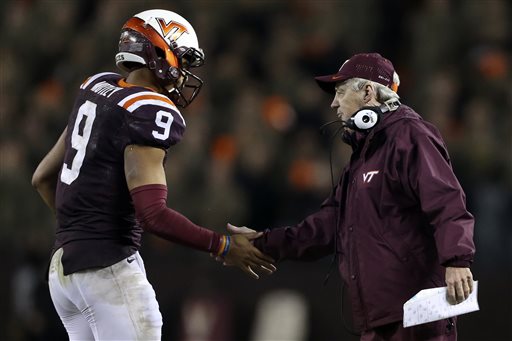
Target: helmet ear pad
point(158, 63)
point(365, 119)
point(136, 50)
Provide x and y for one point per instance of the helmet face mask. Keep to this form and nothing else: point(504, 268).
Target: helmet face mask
point(189, 56)
point(185, 90)
point(166, 44)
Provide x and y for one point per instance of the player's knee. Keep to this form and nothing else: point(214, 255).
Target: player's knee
point(150, 325)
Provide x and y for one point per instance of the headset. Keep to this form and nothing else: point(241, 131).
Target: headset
point(368, 117)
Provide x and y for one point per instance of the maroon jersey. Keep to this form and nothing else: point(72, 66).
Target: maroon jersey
point(96, 220)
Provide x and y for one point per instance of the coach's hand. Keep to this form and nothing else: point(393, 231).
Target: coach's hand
point(248, 258)
point(232, 229)
point(460, 284)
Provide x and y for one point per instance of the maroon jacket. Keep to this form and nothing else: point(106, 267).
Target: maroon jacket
point(401, 217)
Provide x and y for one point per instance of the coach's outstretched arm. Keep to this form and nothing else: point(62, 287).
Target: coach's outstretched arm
point(310, 240)
point(146, 181)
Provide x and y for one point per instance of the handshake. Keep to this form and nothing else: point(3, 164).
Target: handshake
point(242, 253)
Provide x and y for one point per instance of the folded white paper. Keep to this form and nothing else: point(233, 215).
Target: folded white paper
point(431, 305)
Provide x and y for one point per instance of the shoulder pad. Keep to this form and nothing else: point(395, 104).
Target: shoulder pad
point(96, 78)
point(141, 99)
point(152, 119)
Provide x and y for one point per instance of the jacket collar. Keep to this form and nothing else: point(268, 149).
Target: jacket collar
point(360, 140)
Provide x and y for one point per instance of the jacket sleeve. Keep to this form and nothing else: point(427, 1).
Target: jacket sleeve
point(311, 239)
point(442, 200)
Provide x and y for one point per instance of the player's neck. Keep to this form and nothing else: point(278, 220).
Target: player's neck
point(143, 77)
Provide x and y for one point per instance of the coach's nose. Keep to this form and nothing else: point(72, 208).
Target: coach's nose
point(335, 103)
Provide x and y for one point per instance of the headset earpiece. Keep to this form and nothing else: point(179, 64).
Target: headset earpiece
point(364, 119)
point(368, 117)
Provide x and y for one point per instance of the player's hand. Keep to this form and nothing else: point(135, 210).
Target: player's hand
point(460, 284)
point(245, 256)
point(232, 229)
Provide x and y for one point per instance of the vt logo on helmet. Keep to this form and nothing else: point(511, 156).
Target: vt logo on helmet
point(167, 44)
point(172, 27)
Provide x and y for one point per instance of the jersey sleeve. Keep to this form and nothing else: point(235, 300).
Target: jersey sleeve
point(152, 120)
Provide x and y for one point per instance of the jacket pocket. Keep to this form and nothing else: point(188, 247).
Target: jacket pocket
point(397, 246)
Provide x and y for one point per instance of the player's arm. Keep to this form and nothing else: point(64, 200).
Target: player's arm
point(45, 176)
point(146, 181)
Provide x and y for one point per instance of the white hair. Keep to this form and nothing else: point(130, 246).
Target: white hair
point(383, 92)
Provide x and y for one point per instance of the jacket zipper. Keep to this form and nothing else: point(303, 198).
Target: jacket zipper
point(355, 263)
point(359, 291)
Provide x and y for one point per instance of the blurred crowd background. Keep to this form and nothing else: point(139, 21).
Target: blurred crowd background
point(253, 153)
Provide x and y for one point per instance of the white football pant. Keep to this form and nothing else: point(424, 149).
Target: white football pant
point(112, 303)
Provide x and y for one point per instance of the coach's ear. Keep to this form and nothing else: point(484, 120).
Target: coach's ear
point(370, 94)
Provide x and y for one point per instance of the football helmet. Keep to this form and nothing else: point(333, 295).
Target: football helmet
point(166, 44)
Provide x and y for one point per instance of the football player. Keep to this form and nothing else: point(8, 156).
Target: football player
point(105, 181)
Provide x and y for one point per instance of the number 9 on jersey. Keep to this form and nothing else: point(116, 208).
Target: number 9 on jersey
point(163, 120)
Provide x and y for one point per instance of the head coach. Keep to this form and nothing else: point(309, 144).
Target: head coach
point(397, 218)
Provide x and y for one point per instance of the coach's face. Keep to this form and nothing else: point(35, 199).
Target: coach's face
point(347, 100)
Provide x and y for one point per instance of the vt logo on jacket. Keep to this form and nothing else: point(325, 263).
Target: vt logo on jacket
point(367, 177)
